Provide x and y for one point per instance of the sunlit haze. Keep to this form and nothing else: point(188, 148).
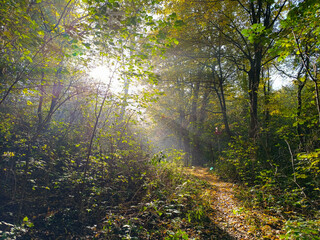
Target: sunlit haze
point(105, 75)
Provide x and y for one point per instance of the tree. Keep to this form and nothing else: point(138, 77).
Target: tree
point(303, 28)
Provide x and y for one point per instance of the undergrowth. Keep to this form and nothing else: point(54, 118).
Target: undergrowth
point(121, 199)
point(170, 209)
point(288, 191)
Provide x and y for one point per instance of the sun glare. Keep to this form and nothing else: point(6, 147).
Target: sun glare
point(105, 75)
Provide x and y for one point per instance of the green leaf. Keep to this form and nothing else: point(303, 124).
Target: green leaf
point(246, 32)
point(173, 15)
point(29, 58)
point(178, 23)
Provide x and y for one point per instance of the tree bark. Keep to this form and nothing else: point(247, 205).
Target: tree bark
point(196, 158)
point(218, 88)
point(253, 98)
point(254, 81)
point(40, 118)
point(316, 88)
point(301, 85)
point(266, 91)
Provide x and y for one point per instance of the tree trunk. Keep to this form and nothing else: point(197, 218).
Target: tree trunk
point(40, 100)
point(266, 91)
point(182, 116)
point(224, 110)
point(301, 85)
point(222, 102)
point(316, 88)
point(204, 103)
point(196, 159)
point(193, 115)
point(56, 91)
point(254, 81)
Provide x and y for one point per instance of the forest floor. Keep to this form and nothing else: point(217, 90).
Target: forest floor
point(231, 214)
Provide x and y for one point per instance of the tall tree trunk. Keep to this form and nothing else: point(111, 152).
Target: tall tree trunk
point(221, 97)
point(40, 117)
point(301, 85)
point(193, 121)
point(182, 116)
point(254, 81)
point(266, 91)
point(316, 88)
point(259, 14)
point(223, 106)
point(56, 91)
point(218, 88)
point(193, 115)
point(204, 103)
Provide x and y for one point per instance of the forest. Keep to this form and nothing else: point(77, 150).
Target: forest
point(159, 119)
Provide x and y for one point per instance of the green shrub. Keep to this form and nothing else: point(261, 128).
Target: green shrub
point(301, 229)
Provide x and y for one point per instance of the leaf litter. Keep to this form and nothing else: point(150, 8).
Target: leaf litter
point(230, 214)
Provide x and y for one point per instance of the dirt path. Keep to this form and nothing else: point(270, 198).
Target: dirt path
point(231, 215)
